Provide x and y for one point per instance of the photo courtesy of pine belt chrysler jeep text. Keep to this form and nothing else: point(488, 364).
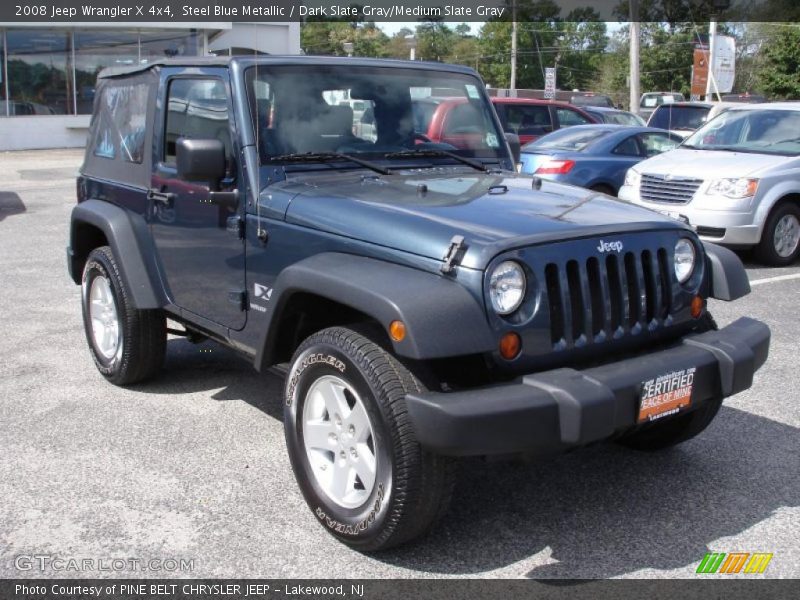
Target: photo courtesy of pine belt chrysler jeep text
point(430, 302)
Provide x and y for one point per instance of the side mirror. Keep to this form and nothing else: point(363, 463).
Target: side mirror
point(201, 160)
point(513, 143)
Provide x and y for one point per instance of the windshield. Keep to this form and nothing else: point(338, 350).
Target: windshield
point(568, 139)
point(679, 117)
point(368, 112)
point(765, 131)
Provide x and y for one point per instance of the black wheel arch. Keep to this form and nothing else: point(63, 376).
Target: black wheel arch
point(353, 289)
point(97, 223)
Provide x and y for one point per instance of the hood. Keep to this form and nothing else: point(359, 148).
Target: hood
point(709, 164)
point(420, 212)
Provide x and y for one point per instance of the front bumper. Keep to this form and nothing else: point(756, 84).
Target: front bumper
point(558, 409)
point(734, 227)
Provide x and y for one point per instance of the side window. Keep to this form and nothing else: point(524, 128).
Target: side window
point(120, 125)
point(567, 117)
point(628, 147)
point(197, 109)
point(656, 143)
point(528, 119)
point(463, 119)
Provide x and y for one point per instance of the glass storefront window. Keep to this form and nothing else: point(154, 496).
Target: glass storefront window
point(54, 71)
point(159, 44)
point(96, 49)
point(39, 69)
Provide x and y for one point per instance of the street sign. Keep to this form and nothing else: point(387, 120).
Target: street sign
point(549, 83)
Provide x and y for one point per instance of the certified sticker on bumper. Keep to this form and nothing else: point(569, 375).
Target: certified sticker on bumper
point(666, 395)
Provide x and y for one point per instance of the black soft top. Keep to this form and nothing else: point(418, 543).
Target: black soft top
point(246, 61)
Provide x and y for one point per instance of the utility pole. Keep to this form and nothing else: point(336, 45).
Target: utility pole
point(513, 85)
point(710, 83)
point(633, 75)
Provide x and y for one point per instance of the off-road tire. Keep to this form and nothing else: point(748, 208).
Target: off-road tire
point(143, 339)
point(412, 487)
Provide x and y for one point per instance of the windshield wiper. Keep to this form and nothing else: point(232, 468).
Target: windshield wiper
point(328, 156)
point(475, 164)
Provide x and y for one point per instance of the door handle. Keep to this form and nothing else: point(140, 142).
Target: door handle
point(163, 197)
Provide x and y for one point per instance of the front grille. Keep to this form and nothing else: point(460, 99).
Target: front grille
point(607, 297)
point(664, 188)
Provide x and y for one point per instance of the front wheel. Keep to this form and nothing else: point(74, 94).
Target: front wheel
point(352, 447)
point(780, 241)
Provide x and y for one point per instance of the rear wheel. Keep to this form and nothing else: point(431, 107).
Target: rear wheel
point(352, 447)
point(127, 344)
point(780, 240)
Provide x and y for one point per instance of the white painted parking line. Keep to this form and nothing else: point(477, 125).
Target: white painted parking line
point(773, 279)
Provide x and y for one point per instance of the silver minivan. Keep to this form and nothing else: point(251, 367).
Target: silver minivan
point(736, 180)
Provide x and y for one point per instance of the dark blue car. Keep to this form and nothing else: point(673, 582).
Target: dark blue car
point(594, 156)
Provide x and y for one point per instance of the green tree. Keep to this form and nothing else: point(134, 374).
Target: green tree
point(779, 65)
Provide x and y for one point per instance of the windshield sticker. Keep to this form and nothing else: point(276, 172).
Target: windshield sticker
point(472, 92)
point(491, 140)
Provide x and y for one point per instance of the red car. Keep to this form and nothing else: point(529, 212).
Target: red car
point(452, 120)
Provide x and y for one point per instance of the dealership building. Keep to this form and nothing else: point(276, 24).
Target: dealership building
point(47, 74)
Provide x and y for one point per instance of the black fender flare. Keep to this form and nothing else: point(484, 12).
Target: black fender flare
point(442, 318)
point(127, 234)
point(728, 277)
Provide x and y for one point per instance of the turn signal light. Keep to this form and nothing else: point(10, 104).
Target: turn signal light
point(397, 331)
point(510, 345)
point(555, 167)
point(698, 304)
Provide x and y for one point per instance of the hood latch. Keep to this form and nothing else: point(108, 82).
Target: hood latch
point(453, 254)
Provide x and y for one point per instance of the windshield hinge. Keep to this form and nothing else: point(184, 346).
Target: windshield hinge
point(453, 254)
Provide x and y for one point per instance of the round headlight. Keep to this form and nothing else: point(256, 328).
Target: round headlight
point(507, 287)
point(684, 259)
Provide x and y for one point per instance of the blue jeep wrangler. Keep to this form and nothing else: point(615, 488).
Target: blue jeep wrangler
point(428, 301)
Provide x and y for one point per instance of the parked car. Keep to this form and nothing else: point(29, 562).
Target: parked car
point(685, 117)
point(744, 97)
point(614, 116)
point(594, 156)
point(651, 100)
point(429, 302)
point(736, 180)
point(448, 120)
point(530, 119)
point(585, 99)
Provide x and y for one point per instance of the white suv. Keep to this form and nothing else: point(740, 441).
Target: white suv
point(736, 180)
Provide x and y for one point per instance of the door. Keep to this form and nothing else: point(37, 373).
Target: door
point(198, 241)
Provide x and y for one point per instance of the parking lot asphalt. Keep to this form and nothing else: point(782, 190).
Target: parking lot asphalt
point(193, 466)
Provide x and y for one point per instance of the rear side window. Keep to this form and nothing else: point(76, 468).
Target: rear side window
point(528, 119)
point(196, 109)
point(628, 147)
point(121, 122)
